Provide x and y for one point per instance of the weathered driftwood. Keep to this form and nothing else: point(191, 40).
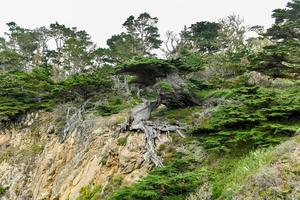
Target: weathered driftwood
point(75, 121)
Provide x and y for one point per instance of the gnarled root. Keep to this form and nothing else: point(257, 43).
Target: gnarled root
point(139, 122)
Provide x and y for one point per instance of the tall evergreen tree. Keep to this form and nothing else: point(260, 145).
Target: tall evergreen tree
point(144, 30)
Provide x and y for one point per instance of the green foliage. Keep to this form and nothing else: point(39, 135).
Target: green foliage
point(114, 185)
point(156, 65)
point(122, 141)
point(114, 105)
point(188, 61)
point(144, 31)
point(165, 86)
point(185, 115)
point(203, 36)
point(286, 22)
point(259, 117)
point(84, 86)
point(173, 181)
point(282, 58)
point(11, 60)
point(228, 173)
point(233, 174)
point(122, 47)
point(90, 193)
point(147, 70)
point(23, 91)
point(2, 190)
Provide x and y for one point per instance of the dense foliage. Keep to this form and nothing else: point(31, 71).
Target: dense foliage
point(257, 117)
point(173, 181)
point(231, 94)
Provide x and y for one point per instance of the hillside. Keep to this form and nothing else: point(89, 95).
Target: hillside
point(217, 116)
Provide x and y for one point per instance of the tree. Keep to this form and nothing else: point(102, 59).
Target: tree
point(11, 60)
point(202, 36)
point(43, 37)
point(144, 31)
point(233, 33)
point(172, 45)
point(76, 50)
point(281, 59)
point(287, 23)
point(23, 41)
point(123, 47)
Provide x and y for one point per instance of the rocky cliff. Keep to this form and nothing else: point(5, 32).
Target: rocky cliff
point(36, 164)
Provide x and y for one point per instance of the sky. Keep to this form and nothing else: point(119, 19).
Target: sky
point(103, 18)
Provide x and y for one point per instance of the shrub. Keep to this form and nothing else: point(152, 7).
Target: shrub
point(90, 193)
point(113, 105)
point(24, 91)
point(173, 181)
point(262, 117)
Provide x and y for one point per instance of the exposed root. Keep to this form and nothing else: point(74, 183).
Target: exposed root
point(139, 122)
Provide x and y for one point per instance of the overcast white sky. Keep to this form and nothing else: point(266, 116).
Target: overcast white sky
point(103, 18)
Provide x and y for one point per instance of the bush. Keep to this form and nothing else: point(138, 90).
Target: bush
point(173, 181)
point(90, 193)
point(24, 91)
point(113, 105)
point(259, 117)
point(21, 92)
point(84, 86)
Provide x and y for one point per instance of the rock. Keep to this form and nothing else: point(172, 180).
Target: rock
point(60, 170)
point(51, 129)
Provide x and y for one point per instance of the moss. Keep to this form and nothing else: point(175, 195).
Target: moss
point(104, 160)
point(122, 141)
point(166, 86)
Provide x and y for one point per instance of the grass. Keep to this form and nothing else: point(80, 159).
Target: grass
point(231, 173)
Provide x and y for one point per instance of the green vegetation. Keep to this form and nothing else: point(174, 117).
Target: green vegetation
point(122, 141)
point(184, 115)
point(28, 91)
point(22, 91)
point(166, 86)
point(173, 181)
point(4, 155)
point(90, 193)
point(257, 117)
point(113, 106)
point(237, 98)
point(2, 190)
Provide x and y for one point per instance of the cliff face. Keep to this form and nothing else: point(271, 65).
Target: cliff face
point(35, 164)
